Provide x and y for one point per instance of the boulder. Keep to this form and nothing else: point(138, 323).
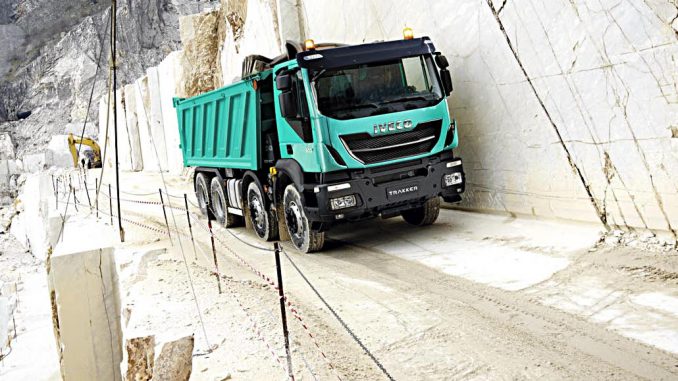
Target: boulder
point(175, 361)
point(140, 358)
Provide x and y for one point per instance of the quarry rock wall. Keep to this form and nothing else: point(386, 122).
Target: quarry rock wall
point(564, 109)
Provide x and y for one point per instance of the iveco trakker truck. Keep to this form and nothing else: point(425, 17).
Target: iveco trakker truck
point(324, 135)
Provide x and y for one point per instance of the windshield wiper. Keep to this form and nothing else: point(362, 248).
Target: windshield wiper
point(405, 99)
point(358, 106)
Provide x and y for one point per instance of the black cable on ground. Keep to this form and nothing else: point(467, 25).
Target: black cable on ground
point(341, 321)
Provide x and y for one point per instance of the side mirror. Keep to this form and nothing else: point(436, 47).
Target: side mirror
point(288, 105)
point(441, 61)
point(283, 82)
point(446, 78)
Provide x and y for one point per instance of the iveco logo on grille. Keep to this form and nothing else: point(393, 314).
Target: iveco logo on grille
point(402, 191)
point(392, 126)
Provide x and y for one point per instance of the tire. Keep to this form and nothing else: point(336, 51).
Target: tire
point(202, 193)
point(302, 237)
point(263, 222)
point(220, 205)
point(424, 215)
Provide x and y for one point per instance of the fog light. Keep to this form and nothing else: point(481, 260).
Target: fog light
point(342, 202)
point(452, 179)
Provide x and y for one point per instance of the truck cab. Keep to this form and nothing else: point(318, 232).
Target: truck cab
point(346, 133)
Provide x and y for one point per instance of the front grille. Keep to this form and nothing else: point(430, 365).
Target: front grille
point(370, 150)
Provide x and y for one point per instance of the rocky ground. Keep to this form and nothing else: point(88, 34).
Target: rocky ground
point(473, 296)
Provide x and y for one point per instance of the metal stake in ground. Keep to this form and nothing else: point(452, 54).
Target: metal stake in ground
point(96, 199)
point(56, 194)
point(89, 201)
point(164, 212)
point(214, 249)
point(110, 203)
point(190, 227)
point(283, 312)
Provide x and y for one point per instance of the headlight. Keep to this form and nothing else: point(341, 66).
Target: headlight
point(452, 179)
point(342, 202)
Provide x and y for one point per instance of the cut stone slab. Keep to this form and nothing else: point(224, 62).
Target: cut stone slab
point(124, 144)
point(201, 50)
point(6, 311)
point(105, 126)
point(133, 127)
point(169, 74)
point(155, 116)
point(58, 153)
point(83, 287)
point(148, 143)
point(175, 361)
point(140, 358)
point(6, 147)
point(34, 162)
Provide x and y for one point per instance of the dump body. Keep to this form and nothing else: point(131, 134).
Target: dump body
point(221, 128)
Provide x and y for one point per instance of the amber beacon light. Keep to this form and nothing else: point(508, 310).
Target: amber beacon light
point(309, 44)
point(408, 33)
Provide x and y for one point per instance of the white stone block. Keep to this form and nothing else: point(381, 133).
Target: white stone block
point(58, 153)
point(148, 143)
point(6, 147)
point(34, 162)
point(155, 116)
point(133, 127)
point(84, 287)
point(38, 224)
point(124, 144)
point(169, 72)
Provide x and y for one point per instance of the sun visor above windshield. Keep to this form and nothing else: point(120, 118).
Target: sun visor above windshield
point(364, 54)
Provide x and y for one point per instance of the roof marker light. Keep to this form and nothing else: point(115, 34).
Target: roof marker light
point(408, 33)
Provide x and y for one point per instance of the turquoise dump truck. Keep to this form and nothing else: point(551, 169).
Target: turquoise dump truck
point(325, 134)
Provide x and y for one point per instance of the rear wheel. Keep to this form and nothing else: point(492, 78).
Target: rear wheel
point(302, 237)
point(262, 220)
point(220, 205)
point(424, 215)
point(202, 193)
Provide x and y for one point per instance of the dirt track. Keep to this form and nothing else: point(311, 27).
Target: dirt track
point(425, 324)
point(422, 305)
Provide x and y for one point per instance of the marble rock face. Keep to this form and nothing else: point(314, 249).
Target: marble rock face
point(571, 96)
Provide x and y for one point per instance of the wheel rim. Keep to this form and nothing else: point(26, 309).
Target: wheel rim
point(258, 213)
point(218, 205)
point(295, 223)
point(202, 196)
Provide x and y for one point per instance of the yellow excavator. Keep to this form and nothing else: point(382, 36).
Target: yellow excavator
point(89, 158)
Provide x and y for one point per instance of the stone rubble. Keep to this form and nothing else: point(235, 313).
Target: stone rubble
point(175, 360)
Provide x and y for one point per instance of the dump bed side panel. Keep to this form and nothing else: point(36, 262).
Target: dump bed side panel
point(221, 128)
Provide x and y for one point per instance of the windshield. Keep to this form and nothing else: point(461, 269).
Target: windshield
point(373, 89)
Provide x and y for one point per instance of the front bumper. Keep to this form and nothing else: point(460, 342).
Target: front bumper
point(386, 190)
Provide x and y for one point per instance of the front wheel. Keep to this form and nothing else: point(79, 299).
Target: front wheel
point(302, 237)
point(424, 215)
point(263, 221)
